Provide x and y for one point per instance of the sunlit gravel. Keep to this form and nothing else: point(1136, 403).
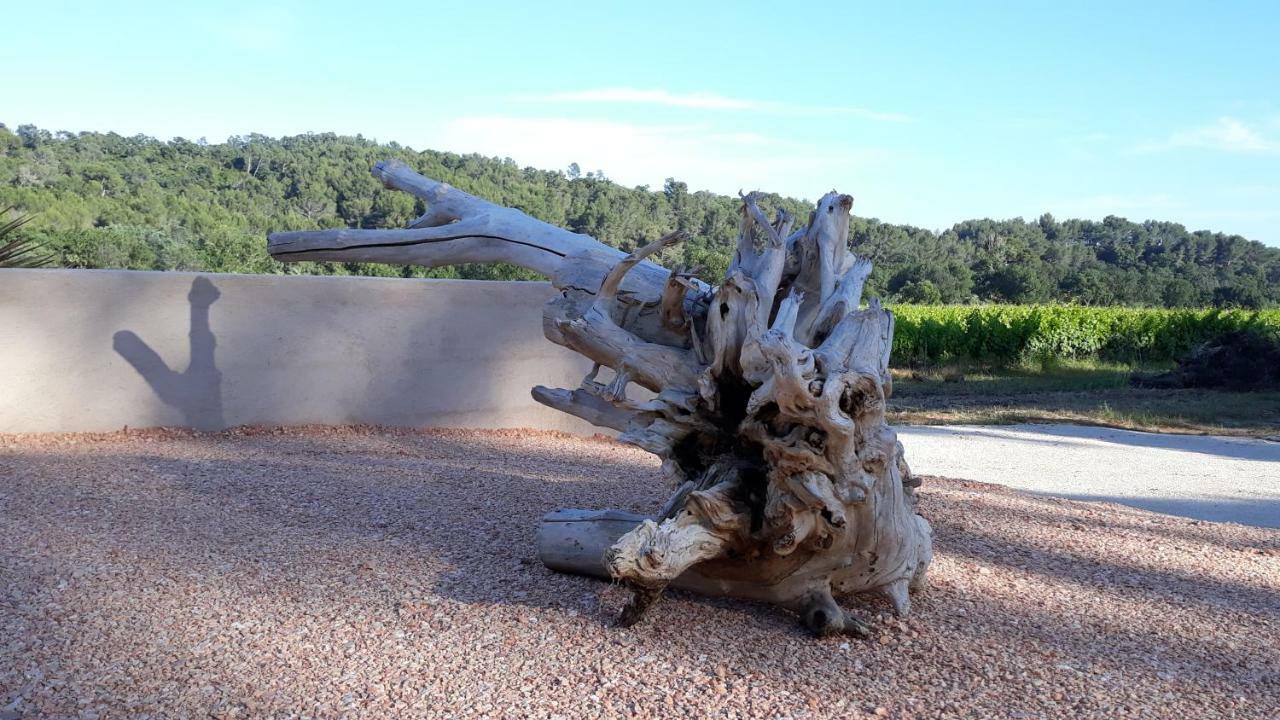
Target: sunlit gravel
point(364, 573)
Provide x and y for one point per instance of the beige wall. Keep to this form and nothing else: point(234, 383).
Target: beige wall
point(89, 350)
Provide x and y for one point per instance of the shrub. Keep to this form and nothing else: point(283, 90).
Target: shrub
point(1007, 334)
point(1238, 360)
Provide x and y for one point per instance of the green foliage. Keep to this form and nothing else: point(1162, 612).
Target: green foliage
point(1011, 334)
point(922, 292)
point(104, 200)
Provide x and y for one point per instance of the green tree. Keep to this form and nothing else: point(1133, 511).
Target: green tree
point(920, 292)
point(106, 200)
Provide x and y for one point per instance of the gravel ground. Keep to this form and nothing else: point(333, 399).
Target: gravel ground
point(369, 573)
point(1198, 476)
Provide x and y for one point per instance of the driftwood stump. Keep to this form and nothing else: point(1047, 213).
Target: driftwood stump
point(766, 400)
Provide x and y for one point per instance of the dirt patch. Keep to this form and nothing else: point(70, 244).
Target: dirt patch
point(360, 572)
point(1197, 412)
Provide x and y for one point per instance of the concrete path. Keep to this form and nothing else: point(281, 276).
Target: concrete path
point(1203, 477)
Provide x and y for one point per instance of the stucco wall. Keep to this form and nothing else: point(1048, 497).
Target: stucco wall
point(90, 350)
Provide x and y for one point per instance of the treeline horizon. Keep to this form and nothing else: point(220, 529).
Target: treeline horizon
point(102, 200)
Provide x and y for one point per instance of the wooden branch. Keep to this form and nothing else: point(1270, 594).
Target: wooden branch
point(597, 335)
point(652, 555)
point(821, 251)
point(609, 287)
point(457, 228)
point(475, 240)
point(733, 311)
point(841, 302)
point(862, 340)
point(651, 365)
point(445, 203)
point(770, 265)
point(672, 311)
point(744, 257)
point(769, 417)
point(756, 215)
point(590, 407)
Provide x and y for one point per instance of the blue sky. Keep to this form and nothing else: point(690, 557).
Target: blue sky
point(927, 113)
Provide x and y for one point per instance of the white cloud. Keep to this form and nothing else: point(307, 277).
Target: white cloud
point(708, 101)
point(631, 154)
point(1136, 207)
point(1226, 134)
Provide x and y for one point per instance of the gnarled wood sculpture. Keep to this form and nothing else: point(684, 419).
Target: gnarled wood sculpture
point(766, 403)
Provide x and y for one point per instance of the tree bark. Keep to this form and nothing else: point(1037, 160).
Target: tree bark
point(767, 411)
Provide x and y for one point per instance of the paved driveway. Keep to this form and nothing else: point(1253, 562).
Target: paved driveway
point(1203, 477)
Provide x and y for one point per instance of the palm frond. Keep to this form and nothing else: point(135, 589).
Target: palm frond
point(19, 252)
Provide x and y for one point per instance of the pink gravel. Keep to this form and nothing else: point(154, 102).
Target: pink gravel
point(357, 572)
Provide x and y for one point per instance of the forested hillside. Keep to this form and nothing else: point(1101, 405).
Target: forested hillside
point(107, 201)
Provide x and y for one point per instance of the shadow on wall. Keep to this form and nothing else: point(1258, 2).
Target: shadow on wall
point(197, 391)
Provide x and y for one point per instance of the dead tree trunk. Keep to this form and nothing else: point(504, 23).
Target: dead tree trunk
point(767, 409)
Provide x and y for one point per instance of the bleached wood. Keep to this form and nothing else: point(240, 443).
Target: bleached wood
point(768, 403)
point(457, 228)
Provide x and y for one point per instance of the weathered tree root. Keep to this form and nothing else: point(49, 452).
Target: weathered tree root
point(822, 616)
point(642, 598)
point(766, 401)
